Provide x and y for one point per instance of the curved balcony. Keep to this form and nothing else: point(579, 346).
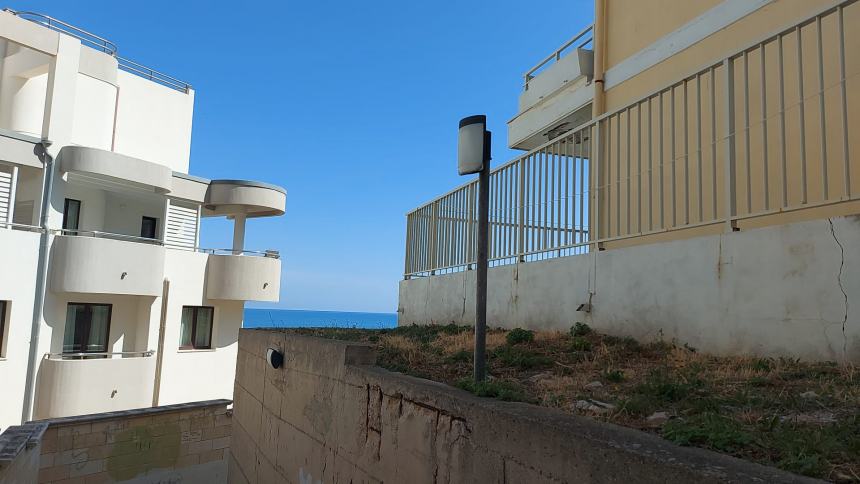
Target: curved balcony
point(244, 276)
point(101, 263)
point(83, 383)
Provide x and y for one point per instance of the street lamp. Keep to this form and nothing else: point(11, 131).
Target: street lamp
point(473, 156)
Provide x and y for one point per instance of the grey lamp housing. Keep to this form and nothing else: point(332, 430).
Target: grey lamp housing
point(473, 145)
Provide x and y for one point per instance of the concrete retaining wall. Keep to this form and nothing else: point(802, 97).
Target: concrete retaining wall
point(188, 442)
point(783, 290)
point(329, 416)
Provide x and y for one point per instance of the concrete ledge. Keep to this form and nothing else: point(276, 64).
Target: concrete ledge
point(328, 415)
point(135, 412)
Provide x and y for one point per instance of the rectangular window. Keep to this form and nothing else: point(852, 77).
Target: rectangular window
point(148, 227)
point(71, 214)
point(87, 328)
point(2, 328)
point(196, 332)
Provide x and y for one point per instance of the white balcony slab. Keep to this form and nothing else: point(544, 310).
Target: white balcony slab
point(254, 199)
point(243, 278)
point(115, 167)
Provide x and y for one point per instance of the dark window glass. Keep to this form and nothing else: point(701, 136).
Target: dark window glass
point(2, 326)
point(87, 328)
point(71, 214)
point(148, 227)
point(196, 330)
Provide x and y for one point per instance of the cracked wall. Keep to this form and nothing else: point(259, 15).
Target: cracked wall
point(329, 416)
point(787, 290)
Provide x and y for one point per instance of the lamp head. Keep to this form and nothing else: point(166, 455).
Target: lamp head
point(473, 145)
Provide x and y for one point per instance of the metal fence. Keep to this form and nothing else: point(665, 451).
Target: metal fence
point(761, 133)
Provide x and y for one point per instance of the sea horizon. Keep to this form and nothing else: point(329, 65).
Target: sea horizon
point(306, 318)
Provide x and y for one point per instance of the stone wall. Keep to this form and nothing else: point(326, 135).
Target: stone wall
point(189, 442)
point(328, 415)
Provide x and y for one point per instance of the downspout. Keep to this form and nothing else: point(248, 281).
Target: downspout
point(599, 104)
point(159, 355)
point(41, 281)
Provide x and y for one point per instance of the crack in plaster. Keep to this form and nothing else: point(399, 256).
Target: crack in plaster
point(841, 287)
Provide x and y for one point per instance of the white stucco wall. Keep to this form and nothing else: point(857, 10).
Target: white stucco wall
point(153, 122)
point(95, 103)
point(771, 291)
point(18, 261)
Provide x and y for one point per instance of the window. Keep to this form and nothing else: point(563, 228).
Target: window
point(87, 328)
point(148, 227)
point(2, 328)
point(196, 332)
point(71, 214)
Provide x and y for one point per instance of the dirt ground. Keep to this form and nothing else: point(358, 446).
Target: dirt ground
point(798, 416)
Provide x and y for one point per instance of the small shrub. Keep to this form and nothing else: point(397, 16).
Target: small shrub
point(615, 376)
point(520, 358)
point(462, 356)
point(625, 342)
point(519, 335)
point(502, 390)
point(762, 364)
point(580, 329)
point(580, 344)
point(668, 387)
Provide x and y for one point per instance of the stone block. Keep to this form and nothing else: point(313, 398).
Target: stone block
point(211, 455)
point(87, 467)
point(55, 473)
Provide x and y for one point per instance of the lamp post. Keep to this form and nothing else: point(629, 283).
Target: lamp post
point(473, 156)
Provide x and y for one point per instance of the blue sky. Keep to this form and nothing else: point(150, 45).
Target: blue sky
point(351, 106)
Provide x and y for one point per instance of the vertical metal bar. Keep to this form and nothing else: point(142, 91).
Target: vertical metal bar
point(639, 167)
point(433, 236)
point(406, 265)
point(783, 140)
point(764, 150)
point(747, 130)
point(553, 155)
point(731, 182)
point(618, 175)
point(521, 213)
point(713, 76)
point(570, 190)
point(802, 138)
point(662, 165)
point(672, 156)
point(627, 216)
point(594, 173)
point(699, 145)
point(825, 192)
point(580, 236)
point(608, 188)
point(561, 162)
point(545, 188)
point(686, 156)
point(844, 98)
point(533, 189)
point(650, 165)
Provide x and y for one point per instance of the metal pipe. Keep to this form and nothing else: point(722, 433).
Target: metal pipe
point(159, 360)
point(41, 281)
point(480, 371)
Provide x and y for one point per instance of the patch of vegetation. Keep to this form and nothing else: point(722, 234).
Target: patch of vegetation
point(521, 358)
point(625, 342)
point(519, 335)
point(580, 344)
point(462, 356)
point(499, 389)
point(709, 430)
point(615, 376)
point(580, 329)
point(665, 385)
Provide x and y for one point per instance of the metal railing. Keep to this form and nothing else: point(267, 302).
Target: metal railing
point(104, 45)
point(744, 138)
point(102, 355)
point(109, 235)
point(580, 40)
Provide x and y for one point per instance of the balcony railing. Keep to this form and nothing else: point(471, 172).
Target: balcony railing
point(107, 355)
point(104, 45)
point(109, 235)
point(579, 40)
point(725, 145)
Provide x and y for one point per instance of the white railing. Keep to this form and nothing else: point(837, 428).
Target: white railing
point(109, 235)
point(104, 45)
point(103, 355)
point(579, 40)
point(712, 148)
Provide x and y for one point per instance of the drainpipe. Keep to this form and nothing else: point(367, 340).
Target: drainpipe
point(159, 355)
point(599, 104)
point(41, 281)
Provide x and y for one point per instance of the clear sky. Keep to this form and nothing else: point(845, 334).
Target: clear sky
point(351, 106)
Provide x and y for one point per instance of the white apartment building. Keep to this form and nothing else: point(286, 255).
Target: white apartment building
point(107, 301)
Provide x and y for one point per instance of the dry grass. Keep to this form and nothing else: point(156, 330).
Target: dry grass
point(756, 408)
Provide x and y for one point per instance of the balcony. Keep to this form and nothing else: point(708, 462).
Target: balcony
point(102, 263)
point(556, 96)
point(84, 383)
point(243, 276)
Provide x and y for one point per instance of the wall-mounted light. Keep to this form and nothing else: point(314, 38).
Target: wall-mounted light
point(122, 276)
point(274, 357)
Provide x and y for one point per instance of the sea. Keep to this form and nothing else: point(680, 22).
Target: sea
point(299, 318)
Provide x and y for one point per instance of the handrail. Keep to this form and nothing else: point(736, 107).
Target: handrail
point(108, 235)
point(89, 38)
point(151, 74)
point(104, 45)
point(270, 253)
point(529, 75)
point(123, 354)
